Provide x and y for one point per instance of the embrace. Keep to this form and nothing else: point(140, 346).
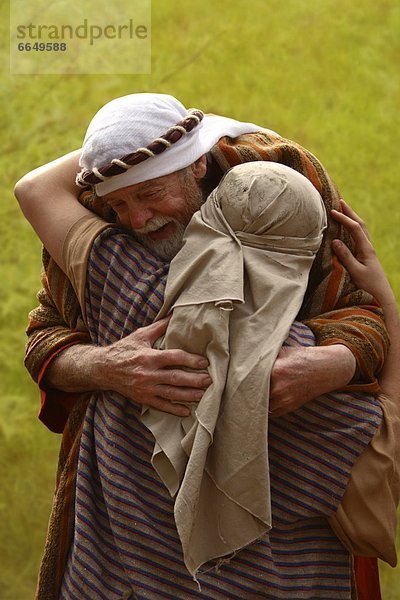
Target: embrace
point(217, 342)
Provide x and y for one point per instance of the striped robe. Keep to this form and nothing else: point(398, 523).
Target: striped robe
point(334, 310)
point(125, 540)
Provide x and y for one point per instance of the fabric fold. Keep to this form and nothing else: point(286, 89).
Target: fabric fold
point(216, 460)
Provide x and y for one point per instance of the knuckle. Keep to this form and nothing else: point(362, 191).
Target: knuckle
point(140, 374)
point(167, 393)
point(174, 378)
point(179, 356)
point(169, 357)
point(145, 359)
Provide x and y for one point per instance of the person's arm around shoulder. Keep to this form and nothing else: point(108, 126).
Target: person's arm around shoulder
point(130, 366)
point(48, 198)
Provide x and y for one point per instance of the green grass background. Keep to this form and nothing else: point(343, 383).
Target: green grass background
point(322, 72)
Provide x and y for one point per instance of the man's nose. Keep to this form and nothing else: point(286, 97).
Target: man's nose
point(138, 216)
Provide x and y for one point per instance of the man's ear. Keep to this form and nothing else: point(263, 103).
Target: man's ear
point(199, 168)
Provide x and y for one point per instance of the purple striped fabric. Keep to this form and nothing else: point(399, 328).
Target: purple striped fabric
point(125, 541)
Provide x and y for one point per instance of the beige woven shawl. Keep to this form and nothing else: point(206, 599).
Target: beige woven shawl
point(234, 288)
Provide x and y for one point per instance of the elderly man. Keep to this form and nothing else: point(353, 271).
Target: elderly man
point(135, 195)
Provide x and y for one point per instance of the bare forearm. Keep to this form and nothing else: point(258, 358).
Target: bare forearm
point(77, 369)
point(50, 179)
point(302, 374)
point(332, 367)
point(48, 197)
point(162, 379)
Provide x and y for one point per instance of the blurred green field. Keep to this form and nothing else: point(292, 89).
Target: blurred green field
point(322, 72)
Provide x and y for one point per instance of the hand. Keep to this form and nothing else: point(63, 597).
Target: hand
point(367, 272)
point(156, 378)
point(364, 268)
point(302, 374)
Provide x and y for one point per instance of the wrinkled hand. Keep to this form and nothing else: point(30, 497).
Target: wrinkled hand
point(156, 378)
point(302, 374)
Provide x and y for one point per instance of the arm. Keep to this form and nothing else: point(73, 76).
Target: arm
point(48, 198)
point(319, 370)
point(55, 324)
point(131, 367)
point(302, 374)
point(367, 272)
point(336, 311)
point(134, 369)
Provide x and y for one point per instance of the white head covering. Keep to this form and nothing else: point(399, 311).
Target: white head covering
point(131, 122)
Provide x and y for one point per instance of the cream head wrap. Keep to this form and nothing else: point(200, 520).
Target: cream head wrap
point(131, 123)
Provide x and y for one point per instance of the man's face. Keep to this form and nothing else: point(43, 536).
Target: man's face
point(158, 211)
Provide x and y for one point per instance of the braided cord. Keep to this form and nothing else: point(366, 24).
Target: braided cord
point(159, 145)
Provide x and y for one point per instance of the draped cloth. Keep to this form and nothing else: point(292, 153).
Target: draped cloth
point(235, 288)
point(125, 536)
point(335, 311)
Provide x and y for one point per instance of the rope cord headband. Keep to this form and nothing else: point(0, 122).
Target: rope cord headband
point(127, 131)
point(159, 145)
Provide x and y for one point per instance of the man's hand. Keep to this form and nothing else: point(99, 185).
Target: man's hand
point(154, 377)
point(131, 367)
point(302, 374)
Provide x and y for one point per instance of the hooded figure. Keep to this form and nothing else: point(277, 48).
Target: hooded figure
point(234, 290)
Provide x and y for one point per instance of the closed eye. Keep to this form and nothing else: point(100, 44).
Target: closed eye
point(117, 204)
point(152, 195)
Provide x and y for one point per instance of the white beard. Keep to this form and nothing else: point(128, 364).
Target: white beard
point(167, 248)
